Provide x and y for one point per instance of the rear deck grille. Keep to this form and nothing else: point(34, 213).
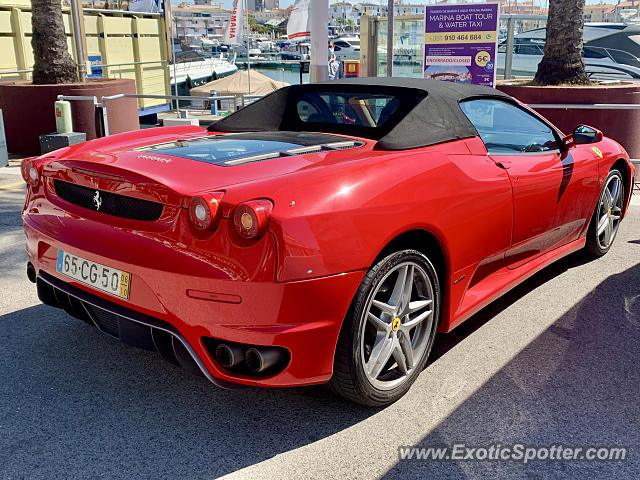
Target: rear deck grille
point(109, 203)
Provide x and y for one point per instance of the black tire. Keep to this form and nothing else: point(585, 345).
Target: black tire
point(593, 246)
point(349, 378)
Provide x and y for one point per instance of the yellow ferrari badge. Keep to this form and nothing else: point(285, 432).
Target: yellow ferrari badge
point(396, 324)
point(597, 151)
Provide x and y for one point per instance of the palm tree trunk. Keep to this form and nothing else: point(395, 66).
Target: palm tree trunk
point(53, 64)
point(562, 62)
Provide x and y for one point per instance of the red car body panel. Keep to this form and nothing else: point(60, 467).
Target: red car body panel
point(497, 220)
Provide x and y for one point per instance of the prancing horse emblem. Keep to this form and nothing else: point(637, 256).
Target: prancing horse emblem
point(97, 201)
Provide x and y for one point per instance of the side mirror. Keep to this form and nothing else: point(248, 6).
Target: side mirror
point(586, 134)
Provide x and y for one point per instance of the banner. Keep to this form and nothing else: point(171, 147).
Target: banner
point(298, 27)
point(460, 43)
point(233, 34)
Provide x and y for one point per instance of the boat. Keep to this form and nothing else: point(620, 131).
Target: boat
point(347, 48)
point(192, 69)
point(610, 51)
point(298, 32)
point(295, 51)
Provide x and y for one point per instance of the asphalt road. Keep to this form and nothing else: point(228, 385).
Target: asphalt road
point(555, 361)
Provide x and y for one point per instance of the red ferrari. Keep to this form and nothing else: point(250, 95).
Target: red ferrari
point(322, 234)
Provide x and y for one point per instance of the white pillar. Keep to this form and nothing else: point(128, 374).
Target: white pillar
point(390, 25)
point(318, 69)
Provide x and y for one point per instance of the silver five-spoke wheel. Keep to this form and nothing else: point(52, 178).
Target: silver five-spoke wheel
point(607, 215)
point(609, 211)
point(389, 329)
point(399, 320)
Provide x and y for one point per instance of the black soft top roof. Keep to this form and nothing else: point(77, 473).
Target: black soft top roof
point(428, 112)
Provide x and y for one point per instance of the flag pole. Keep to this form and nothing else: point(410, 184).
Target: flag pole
point(390, 25)
point(168, 13)
point(248, 45)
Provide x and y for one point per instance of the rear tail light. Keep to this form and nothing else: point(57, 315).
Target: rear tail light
point(204, 210)
point(251, 219)
point(30, 172)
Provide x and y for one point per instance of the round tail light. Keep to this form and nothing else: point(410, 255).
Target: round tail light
point(251, 219)
point(204, 210)
point(30, 172)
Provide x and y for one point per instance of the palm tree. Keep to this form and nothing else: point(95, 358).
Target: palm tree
point(52, 62)
point(562, 62)
point(351, 24)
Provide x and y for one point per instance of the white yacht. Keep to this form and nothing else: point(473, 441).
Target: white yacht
point(347, 48)
point(192, 69)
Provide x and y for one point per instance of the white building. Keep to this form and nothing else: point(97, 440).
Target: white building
point(209, 3)
point(200, 20)
point(264, 16)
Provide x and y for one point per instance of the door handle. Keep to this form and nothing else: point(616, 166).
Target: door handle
point(504, 164)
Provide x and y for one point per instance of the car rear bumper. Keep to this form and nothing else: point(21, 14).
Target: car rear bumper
point(304, 317)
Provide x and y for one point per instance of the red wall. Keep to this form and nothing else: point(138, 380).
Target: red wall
point(29, 112)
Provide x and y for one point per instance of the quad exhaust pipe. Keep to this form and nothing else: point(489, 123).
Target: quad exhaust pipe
point(229, 355)
point(261, 358)
point(256, 359)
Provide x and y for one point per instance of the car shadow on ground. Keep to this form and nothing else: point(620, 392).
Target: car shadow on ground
point(446, 341)
point(78, 404)
point(576, 384)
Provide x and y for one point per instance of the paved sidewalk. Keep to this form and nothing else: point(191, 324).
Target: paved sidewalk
point(554, 361)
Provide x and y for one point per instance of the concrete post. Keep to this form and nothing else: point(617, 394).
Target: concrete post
point(508, 54)
point(318, 69)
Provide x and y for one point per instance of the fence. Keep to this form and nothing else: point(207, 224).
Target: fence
point(102, 122)
point(119, 45)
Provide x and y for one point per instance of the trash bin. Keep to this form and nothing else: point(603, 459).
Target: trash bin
point(351, 68)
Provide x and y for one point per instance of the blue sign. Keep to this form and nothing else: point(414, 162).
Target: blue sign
point(96, 72)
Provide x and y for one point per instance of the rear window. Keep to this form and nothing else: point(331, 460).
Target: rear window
point(239, 148)
point(366, 110)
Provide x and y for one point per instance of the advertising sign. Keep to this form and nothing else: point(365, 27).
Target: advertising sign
point(95, 60)
point(460, 43)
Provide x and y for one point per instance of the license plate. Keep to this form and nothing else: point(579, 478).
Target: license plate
point(106, 279)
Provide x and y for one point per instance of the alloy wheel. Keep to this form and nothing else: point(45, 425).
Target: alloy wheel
point(609, 212)
point(398, 323)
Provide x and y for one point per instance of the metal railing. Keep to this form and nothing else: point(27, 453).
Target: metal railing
point(101, 65)
point(251, 98)
point(107, 65)
point(168, 97)
point(589, 106)
point(13, 72)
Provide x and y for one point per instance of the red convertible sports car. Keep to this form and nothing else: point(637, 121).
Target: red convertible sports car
point(322, 234)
